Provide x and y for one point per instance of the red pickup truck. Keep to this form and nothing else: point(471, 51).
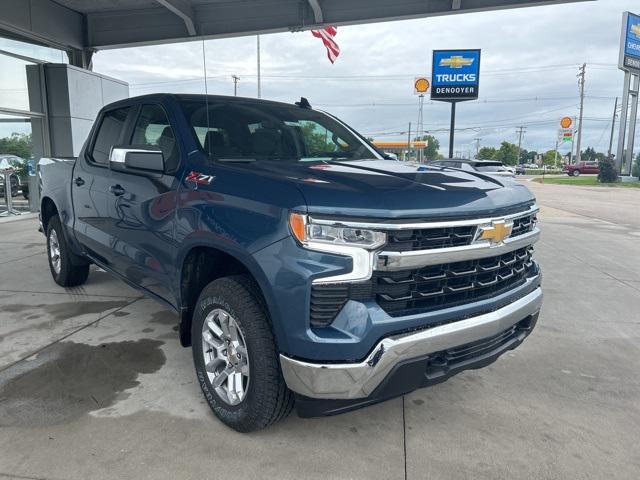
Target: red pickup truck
point(582, 167)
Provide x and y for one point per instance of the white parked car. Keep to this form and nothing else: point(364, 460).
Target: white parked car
point(490, 167)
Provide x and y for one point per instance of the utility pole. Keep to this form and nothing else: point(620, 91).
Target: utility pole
point(259, 83)
point(581, 81)
point(236, 79)
point(613, 126)
point(409, 142)
point(573, 143)
point(520, 131)
point(477, 140)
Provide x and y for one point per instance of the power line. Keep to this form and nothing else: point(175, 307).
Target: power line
point(514, 71)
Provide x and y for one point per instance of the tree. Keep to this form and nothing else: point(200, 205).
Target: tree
point(317, 140)
point(433, 145)
point(529, 157)
point(487, 153)
point(18, 144)
point(608, 173)
point(549, 157)
point(507, 154)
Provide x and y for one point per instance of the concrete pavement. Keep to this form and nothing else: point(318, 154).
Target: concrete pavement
point(94, 384)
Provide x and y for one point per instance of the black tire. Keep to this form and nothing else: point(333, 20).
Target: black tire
point(73, 269)
point(267, 399)
point(576, 173)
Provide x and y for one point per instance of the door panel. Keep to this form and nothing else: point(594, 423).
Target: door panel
point(142, 209)
point(90, 183)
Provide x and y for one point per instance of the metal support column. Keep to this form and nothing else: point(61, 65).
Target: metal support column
point(632, 126)
point(452, 132)
point(623, 121)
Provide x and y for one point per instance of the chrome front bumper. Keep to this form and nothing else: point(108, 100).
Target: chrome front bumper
point(359, 380)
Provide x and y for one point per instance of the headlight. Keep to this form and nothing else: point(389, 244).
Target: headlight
point(306, 231)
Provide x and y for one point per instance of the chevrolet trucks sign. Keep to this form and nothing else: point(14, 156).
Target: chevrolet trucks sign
point(456, 75)
point(630, 44)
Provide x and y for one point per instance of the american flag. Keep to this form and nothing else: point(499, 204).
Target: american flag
point(326, 35)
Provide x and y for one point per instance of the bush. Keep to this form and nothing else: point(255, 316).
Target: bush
point(539, 171)
point(608, 173)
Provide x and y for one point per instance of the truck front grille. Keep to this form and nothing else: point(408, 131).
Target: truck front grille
point(429, 238)
point(407, 292)
point(523, 225)
point(445, 237)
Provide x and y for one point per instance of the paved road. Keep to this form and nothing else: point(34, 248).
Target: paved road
point(94, 384)
point(617, 205)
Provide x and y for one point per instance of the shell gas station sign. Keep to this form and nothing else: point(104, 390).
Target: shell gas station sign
point(421, 85)
point(565, 134)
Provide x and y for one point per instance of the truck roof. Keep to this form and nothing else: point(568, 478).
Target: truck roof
point(158, 97)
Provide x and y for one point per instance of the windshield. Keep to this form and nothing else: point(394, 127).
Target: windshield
point(249, 130)
point(490, 167)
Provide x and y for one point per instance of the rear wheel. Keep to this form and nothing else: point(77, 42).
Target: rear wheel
point(235, 356)
point(67, 268)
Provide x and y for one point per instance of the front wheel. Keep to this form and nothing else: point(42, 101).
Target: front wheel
point(67, 268)
point(576, 173)
point(235, 356)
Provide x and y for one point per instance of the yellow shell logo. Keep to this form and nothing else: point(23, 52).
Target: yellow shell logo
point(635, 30)
point(422, 85)
point(566, 122)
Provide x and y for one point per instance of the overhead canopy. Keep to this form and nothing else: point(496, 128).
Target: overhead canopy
point(100, 24)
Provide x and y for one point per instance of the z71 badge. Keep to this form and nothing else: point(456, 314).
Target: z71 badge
point(199, 178)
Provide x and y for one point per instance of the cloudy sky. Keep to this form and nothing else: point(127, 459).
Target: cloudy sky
point(530, 59)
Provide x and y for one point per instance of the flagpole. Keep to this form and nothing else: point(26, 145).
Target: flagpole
point(259, 86)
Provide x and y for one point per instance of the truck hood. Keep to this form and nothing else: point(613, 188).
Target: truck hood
point(392, 189)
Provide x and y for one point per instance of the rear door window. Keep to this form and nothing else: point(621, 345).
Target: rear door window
point(109, 134)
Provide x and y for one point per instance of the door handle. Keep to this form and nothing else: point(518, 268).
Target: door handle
point(78, 181)
point(117, 190)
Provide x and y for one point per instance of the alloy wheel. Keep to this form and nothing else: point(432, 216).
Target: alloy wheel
point(225, 356)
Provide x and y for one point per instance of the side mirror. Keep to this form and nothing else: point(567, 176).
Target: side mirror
point(139, 160)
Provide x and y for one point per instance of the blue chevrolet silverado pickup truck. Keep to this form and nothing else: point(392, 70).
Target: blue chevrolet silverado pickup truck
point(304, 267)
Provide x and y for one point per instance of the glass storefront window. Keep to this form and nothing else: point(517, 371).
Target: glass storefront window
point(22, 121)
point(21, 146)
point(37, 52)
point(14, 92)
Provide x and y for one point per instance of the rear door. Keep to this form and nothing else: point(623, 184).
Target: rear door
point(142, 207)
point(90, 184)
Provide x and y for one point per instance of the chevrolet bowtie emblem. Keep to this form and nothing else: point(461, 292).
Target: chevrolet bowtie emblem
point(635, 29)
point(496, 233)
point(456, 61)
